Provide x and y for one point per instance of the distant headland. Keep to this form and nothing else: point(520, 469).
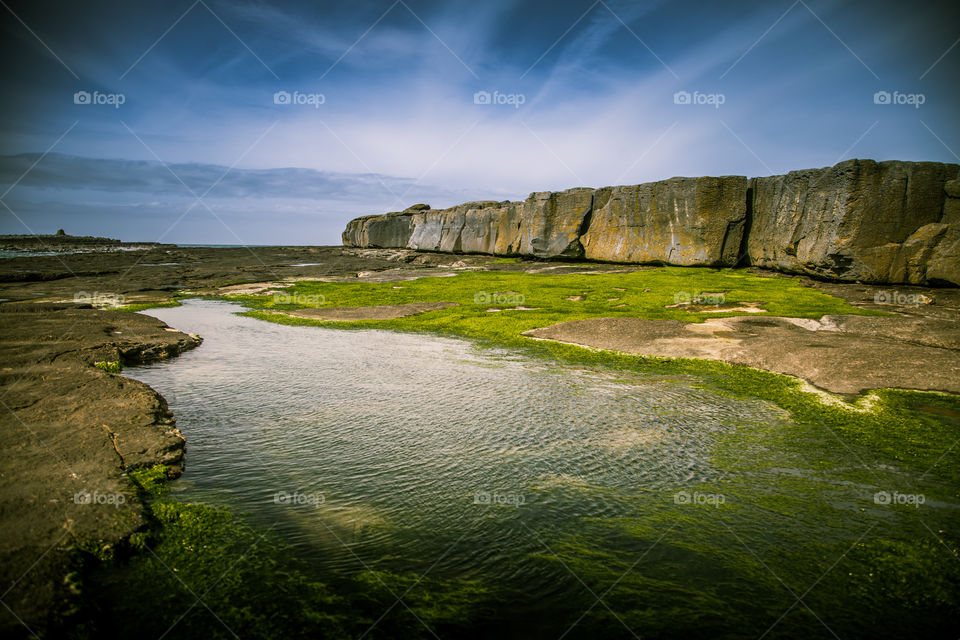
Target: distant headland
point(61, 242)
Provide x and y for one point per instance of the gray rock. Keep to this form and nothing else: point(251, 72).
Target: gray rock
point(390, 230)
point(861, 220)
point(951, 203)
point(683, 221)
point(851, 221)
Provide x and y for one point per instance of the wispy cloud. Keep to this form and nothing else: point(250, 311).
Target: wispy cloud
point(399, 115)
point(59, 171)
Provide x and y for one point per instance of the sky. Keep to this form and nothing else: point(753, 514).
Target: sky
point(247, 122)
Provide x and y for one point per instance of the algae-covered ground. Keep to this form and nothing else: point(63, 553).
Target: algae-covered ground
point(840, 521)
point(545, 299)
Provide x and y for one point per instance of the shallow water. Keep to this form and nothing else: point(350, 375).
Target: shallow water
point(372, 449)
point(376, 439)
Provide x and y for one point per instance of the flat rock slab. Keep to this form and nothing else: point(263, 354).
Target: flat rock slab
point(842, 354)
point(379, 312)
point(69, 432)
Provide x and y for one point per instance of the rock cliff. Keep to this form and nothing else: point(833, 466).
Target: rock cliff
point(859, 220)
point(685, 221)
point(879, 222)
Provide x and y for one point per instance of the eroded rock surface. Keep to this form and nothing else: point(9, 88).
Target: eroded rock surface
point(861, 220)
point(69, 433)
point(684, 221)
point(842, 354)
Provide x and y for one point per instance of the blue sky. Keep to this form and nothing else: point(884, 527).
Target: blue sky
point(383, 105)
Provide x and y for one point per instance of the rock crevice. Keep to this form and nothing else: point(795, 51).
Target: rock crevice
point(860, 220)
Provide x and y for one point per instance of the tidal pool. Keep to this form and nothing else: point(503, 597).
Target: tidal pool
point(581, 501)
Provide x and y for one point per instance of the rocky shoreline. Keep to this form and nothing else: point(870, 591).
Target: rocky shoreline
point(63, 243)
point(70, 433)
point(861, 220)
point(73, 430)
point(70, 430)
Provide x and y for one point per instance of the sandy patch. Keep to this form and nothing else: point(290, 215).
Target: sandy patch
point(253, 289)
point(379, 312)
point(841, 354)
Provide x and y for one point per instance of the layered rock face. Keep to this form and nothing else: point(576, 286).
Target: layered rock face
point(545, 225)
point(685, 221)
point(859, 220)
point(878, 222)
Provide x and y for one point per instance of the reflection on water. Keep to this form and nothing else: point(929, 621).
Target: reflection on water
point(393, 444)
point(693, 514)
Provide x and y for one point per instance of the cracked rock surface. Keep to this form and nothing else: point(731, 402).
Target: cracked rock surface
point(861, 220)
point(69, 432)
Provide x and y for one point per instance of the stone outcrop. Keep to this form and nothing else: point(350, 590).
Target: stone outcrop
point(861, 220)
point(686, 221)
point(386, 231)
point(546, 225)
point(69, 432)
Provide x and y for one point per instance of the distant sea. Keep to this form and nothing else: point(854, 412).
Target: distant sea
point(25, 253)
point(240, 246)
point(7, 253)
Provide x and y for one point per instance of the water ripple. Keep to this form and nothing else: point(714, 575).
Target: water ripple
point(399, 445)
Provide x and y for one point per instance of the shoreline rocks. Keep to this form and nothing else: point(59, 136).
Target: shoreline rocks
point(70, 433)
point(685, 221)
point(63, 243)
point(860, 220)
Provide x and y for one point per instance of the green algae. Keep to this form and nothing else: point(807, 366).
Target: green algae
point(802, 544)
